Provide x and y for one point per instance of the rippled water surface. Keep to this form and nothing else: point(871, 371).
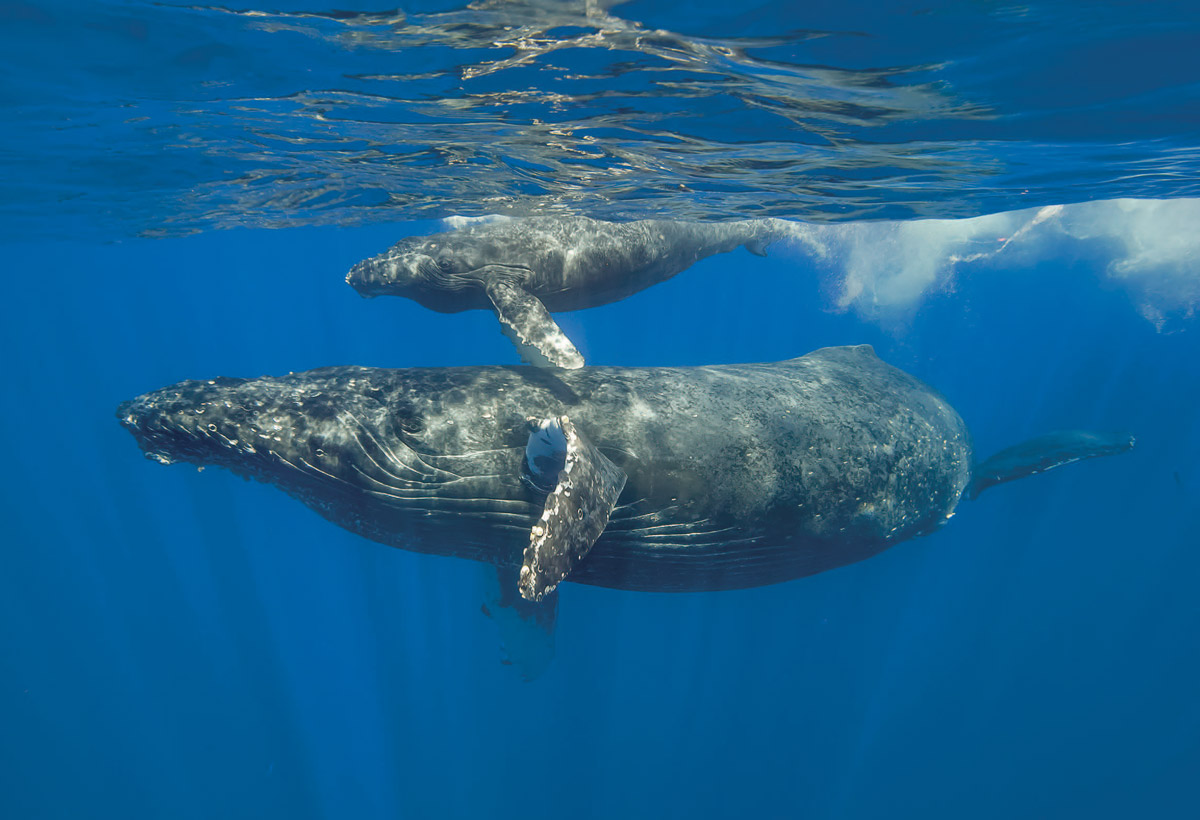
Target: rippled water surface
point(138, 117)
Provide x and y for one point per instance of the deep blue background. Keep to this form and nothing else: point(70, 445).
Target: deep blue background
point(185, 645)
point(176, 644)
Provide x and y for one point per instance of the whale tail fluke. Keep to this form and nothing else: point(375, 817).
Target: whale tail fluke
point(1045, 453)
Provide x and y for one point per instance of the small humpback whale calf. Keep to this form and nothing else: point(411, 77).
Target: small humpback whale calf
point(658, 479)
point(526, 268)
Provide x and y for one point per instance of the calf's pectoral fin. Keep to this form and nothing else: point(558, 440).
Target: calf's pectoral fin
point(1045, 453)
point(527, 323)
point(585, 491)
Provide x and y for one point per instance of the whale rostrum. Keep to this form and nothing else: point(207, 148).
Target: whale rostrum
point(663, 479)
point(525, 268)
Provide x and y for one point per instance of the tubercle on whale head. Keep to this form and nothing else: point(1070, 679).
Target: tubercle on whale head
point(190, 421)
point(378, 275)
point(402, 269)
point(298, 427)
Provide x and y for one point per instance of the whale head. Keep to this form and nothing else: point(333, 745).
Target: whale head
point(250, 426)
point(366, 448)
point(403, 268)
point(322, 426)
point(419, 264)
point(445, 271)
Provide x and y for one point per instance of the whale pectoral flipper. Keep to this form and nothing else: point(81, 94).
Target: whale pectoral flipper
point(527, 323)
point(577, 509)
point(1045, 453)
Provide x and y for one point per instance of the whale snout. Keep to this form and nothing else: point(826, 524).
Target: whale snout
point(369, 278)
point(128, 412)
point(155, 425)
point(378, 275)
point(149, 426)
point(187, 421)
point(399, 272)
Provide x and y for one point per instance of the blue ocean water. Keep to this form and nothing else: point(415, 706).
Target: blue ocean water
point(182, 189)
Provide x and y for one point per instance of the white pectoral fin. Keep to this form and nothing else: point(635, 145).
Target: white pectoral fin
point(527, 323)
point(577, 509)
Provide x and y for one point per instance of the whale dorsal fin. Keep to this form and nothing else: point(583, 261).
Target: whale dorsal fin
point(1045, 453)
point(585, 491)
point(527, 323)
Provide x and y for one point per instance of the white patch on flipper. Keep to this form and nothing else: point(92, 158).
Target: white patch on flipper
point(546, 452)
point(576, 511)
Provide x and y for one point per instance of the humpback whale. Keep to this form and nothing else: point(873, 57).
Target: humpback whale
point(524, 268)
point(659, 479)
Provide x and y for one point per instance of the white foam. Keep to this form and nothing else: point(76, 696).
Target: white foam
point(453, 223)
point(880, 269)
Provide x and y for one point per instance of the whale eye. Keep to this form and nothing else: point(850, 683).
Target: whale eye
point(403, 417)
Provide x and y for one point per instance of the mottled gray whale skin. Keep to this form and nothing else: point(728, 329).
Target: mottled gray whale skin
point(731, 476)
point(524, 267)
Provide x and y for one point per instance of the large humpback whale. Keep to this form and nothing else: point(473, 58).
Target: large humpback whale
point(523, 268)
point(664, 479)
